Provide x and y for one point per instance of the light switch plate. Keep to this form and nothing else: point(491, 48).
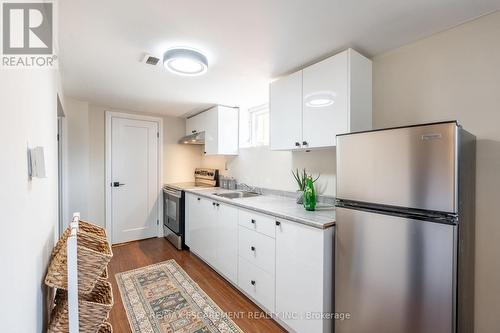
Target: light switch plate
point(36, 162)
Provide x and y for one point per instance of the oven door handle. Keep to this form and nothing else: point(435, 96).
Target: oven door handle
point(177, 194)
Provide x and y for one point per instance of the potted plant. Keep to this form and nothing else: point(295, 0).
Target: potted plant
point(301, 179)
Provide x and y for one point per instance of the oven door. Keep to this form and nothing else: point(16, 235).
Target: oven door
point(171, 209)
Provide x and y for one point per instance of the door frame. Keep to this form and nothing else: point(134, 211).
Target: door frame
point(108, 129)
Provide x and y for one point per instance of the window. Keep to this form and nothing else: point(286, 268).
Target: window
point(257, 126)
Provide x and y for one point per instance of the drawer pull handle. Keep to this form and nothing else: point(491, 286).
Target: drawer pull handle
point(252, 248)
point(278, 223)
point(252, 282)
point(253, 221)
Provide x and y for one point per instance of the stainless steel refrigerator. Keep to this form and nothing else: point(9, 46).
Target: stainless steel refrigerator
point(404, 255)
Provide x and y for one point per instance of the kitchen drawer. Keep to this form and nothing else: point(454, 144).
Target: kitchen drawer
point(257, 248)
point(258, 284)
point(258, 222)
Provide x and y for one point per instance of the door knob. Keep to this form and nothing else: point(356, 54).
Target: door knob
point(304, 143)
point(117, 184)
point(252, 248)
point(297, 144)
point(252, 282)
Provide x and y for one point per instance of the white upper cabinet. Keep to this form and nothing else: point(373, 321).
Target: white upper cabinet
point(328, 98)
point(285, 107)
point(325, 101)
point(220, 124)
point(196, 124)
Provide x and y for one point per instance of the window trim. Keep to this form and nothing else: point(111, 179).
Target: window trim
point(253, 112)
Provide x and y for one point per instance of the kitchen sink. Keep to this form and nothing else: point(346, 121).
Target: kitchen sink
point(237, 195)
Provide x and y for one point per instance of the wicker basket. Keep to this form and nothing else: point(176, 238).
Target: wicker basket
point(83, 227)
point(105, 274)
point(93, 310)
point(94, 254)
point(105, 328)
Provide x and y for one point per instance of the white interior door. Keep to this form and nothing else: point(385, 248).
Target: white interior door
point(134, 179)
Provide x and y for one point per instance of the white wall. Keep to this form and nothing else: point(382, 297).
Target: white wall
point(28, 118)
point(76, 128)
point(88, 146)
point(456, 75)
point(259, 166)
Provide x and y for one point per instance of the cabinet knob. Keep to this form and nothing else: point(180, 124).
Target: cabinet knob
point(199, 199)
point(253, 221)
point(297, 144)
point(252, 248)
point(217, 204)
point(252, 282)
point(213, 203)
point(278, 223)
point(193, 131)
point(304, 143)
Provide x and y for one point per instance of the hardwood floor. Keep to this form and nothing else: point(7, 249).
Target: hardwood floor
point(146, 252)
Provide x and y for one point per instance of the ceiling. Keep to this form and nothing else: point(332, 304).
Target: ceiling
point(248, 43)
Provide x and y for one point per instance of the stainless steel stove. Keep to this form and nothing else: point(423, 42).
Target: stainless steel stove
point(173, 204)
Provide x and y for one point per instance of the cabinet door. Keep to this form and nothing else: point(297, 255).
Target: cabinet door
point(211, 127)
point(301, 287)
point(191, 125)
point(325, 101)
point(192, 208)
point(201, 218)
point(210, 232)
point(196, 124)
point(194, 234)
point(228, 130)
point(226, 244)
point(285, 112)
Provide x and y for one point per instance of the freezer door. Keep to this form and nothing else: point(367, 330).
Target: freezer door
point(412, 167)
point(394, 274)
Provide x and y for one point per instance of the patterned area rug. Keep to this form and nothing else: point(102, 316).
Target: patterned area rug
point(162, 298)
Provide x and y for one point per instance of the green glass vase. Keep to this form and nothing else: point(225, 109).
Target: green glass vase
point(309, 195)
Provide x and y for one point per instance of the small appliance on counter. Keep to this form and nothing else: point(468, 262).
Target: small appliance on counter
point(228, 183)
point(173, 204)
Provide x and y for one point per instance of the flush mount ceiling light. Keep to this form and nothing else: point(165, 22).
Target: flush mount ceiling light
point(320, 99)
point(184, 61)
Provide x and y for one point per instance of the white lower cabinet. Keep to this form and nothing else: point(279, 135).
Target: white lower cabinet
point(212, 230)
point(285, 267)
point(304, 277)
point(260, 223)
point(226, 244)
point(199, 222)
point(257, 283)
point(257, 249)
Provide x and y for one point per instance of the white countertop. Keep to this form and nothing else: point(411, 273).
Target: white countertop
point(277, 206)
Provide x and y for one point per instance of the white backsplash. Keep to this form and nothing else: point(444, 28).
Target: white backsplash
point(259, 166)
